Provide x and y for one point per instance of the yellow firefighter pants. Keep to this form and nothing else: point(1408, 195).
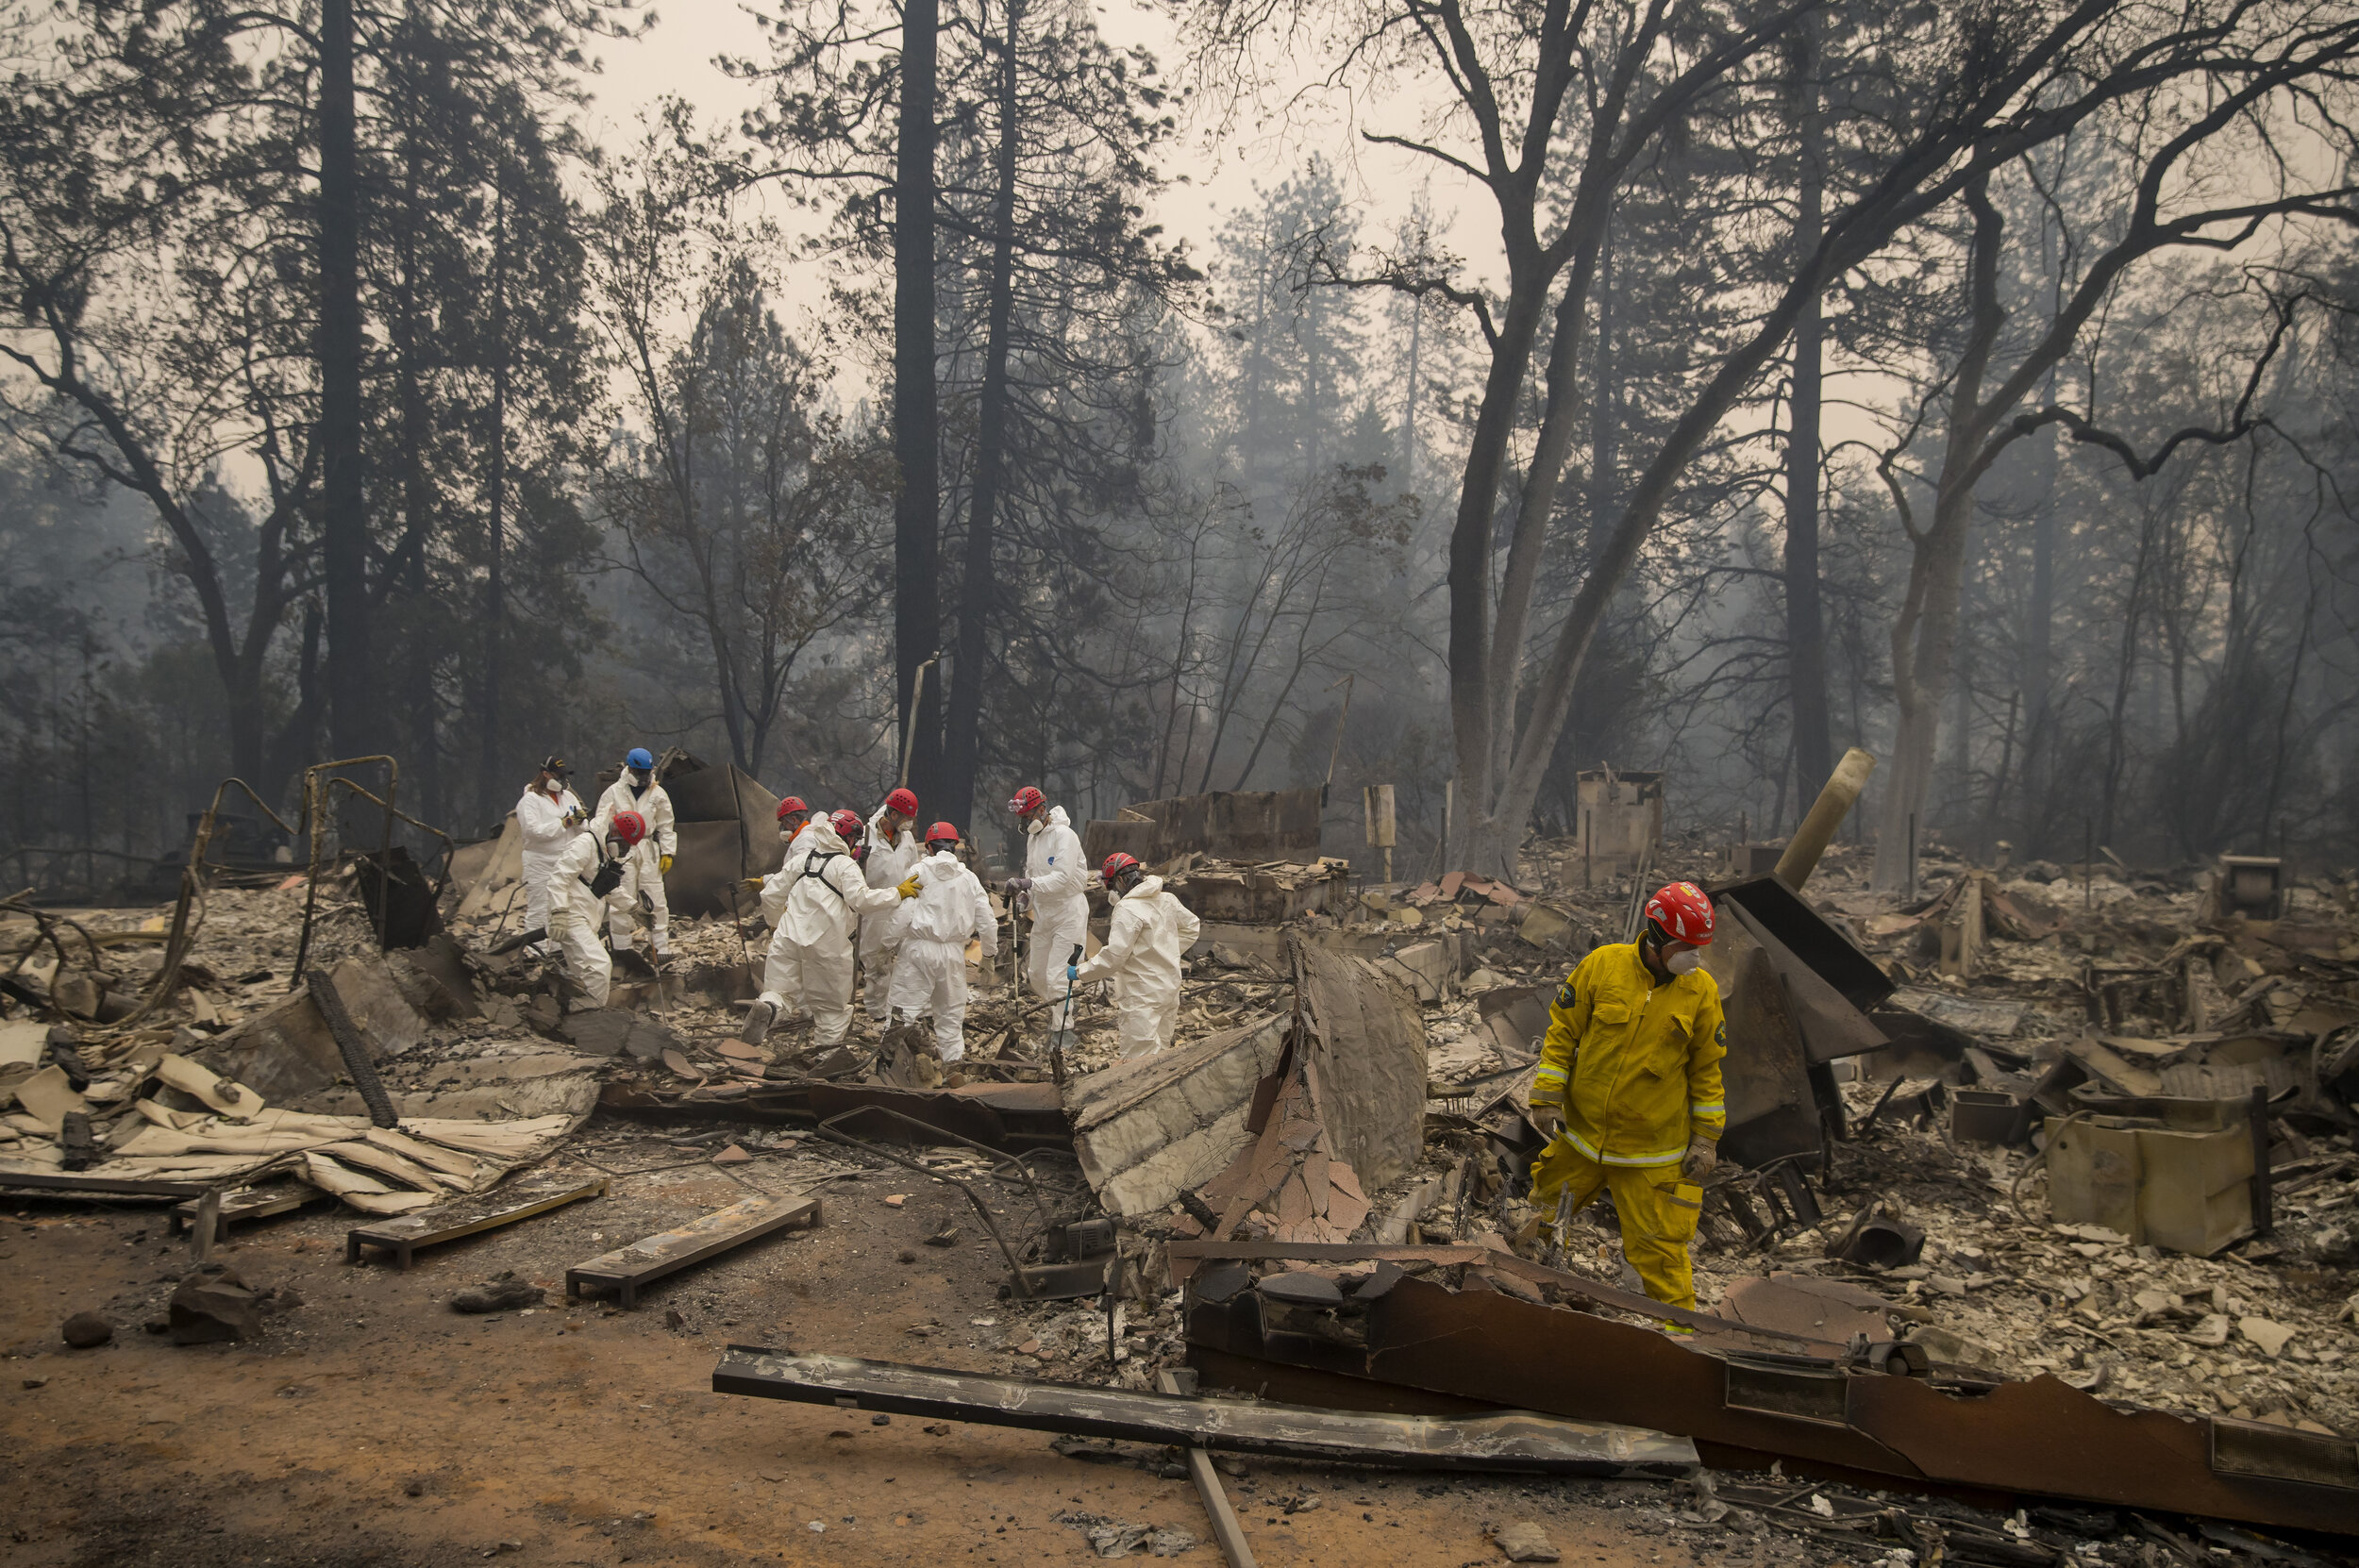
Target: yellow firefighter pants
point(1658, 1210)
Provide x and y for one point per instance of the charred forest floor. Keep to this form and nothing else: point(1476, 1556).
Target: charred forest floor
point(373, 1424)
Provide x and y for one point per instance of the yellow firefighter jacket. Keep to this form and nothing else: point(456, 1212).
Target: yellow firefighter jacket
point(1642, 1060)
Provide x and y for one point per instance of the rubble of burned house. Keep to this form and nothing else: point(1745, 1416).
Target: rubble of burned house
point(2040, 1185)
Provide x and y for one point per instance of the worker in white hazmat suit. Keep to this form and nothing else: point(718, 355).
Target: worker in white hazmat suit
point(932, 931)
point(815, 902)
point(547, 817)
point(1055, 884)
point(650, 862)
point(1151, 929)
point(794, 821)
point(892, 854)
point(588, 871)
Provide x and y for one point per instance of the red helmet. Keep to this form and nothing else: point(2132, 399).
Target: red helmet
point(848, 827)
point(630, 826)
point(902, 802)
point(1682, 913)
point(941, 832)
point(1118, 863)
point(1027, 801)
point(793, 806)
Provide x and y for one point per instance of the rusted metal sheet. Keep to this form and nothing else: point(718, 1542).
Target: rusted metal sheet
point(1829, 1023)
point(1185, 1257)
point(1778, 912)
point(1506, 1441)
point(2038, 1438)
point(1772, 1113)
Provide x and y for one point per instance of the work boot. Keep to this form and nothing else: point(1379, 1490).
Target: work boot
point(758, 1020)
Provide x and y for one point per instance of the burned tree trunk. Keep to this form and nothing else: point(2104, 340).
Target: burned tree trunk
point(916, 511)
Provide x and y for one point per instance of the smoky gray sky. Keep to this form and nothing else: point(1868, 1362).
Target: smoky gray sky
point(1224, 150)
point(1215, 162)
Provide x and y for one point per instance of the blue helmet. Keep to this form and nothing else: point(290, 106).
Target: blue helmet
point(640, 758)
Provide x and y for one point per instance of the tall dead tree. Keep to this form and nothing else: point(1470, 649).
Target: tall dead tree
point(978, 580)
point(1805, 623)
point(2260, 117)
point(353, 686)
point(1551, 103)
point(917, 440)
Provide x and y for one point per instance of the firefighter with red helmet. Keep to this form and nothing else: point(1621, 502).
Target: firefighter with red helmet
point(894, 851)
point(1148, 932)
point(814, 903)
point(1056, 883)
point(1627, 1090)
point(580, 889)
point(943, 909)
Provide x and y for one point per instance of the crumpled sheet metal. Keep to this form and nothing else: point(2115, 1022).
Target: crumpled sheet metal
point(1367, 1042)
point(1511, 1441)
point(2039, 1438)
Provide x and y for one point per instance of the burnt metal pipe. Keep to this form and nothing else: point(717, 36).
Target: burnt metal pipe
point(1833, 804)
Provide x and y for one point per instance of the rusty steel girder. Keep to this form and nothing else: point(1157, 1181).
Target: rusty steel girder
point(2038, 1438)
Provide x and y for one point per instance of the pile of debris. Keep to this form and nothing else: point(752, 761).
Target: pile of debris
point(2043, 1183)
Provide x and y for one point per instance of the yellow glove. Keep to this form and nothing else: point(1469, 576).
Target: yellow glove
point(754, 881)
point(663, 864)
point(907, 889)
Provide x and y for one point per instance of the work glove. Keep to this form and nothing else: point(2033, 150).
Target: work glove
point(664, 865)
point(1019, 884)
point(1548, 1120)
point(1702, 1156)
point(754, 882)
point(907, 889)
point(1072, 972)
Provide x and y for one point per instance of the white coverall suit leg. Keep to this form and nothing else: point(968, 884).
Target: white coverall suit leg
point(1149, 932)
point(644, 871)
point(933, 928)
point(574, 914)
point(1061, 905)
point(815, 901)
point(890, 862)
point(543, 834)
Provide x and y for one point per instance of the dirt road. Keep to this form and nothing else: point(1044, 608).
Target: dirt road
point(373, 1424)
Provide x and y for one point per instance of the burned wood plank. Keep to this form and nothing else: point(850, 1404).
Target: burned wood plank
point(79, 1143)
point(353, 1047)
point(642, 1263)
point(1513, 1441)
point(137, 1187)
point(248, 1203)
point(1226, 1529)
point(404, 1234)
